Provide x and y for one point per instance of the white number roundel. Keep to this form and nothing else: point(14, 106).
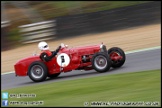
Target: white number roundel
point(63, 60)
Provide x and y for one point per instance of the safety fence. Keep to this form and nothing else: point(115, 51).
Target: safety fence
point(5, 24)
point(38, 31)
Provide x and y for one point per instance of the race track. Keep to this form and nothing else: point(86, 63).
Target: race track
point(139, 61)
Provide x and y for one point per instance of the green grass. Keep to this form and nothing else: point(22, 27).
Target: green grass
point(128, 87)
point(63, 8)
point(107, 5)
point(14, 35)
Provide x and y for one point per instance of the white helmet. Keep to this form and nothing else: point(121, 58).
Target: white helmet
point(43, 46)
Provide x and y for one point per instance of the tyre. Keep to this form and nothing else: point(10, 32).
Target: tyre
point(101, 62)
point(37, 71)
point(116, 52)
point(54, 75)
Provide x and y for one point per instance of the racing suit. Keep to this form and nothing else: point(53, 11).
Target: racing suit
point(47, 55)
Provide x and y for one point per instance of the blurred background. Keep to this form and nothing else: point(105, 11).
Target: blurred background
point(32, 21)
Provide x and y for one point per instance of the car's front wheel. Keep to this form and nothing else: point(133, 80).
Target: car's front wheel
point(117, 52)
point(101, 62)
point(37, 71)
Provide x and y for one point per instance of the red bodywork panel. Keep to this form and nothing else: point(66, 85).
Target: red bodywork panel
point(76, 62)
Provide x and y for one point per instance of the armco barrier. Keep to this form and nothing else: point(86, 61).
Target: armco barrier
point(5, 24)
point(38, 31)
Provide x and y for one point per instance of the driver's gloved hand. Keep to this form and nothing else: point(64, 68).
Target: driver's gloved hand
point(57, 50)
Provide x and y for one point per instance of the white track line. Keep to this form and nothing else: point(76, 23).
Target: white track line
point(7, 72)
point(128, 52)
point(145, 49)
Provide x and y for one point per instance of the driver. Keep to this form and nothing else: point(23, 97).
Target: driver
point(46, 54)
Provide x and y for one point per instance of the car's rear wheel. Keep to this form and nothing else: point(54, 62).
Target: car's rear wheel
point(101, 62)
point(54, 75)
point(37, 71)
point(116, 52)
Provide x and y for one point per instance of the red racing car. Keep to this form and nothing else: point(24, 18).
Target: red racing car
point(95, 57)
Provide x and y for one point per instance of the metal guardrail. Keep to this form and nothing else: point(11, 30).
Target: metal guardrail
point(5, 23)
point(38, 31)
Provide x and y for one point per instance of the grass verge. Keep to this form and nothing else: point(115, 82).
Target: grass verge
point(63, 8)
point(127, 87)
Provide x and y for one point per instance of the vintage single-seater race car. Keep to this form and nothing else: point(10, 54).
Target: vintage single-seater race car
point(90, 57)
